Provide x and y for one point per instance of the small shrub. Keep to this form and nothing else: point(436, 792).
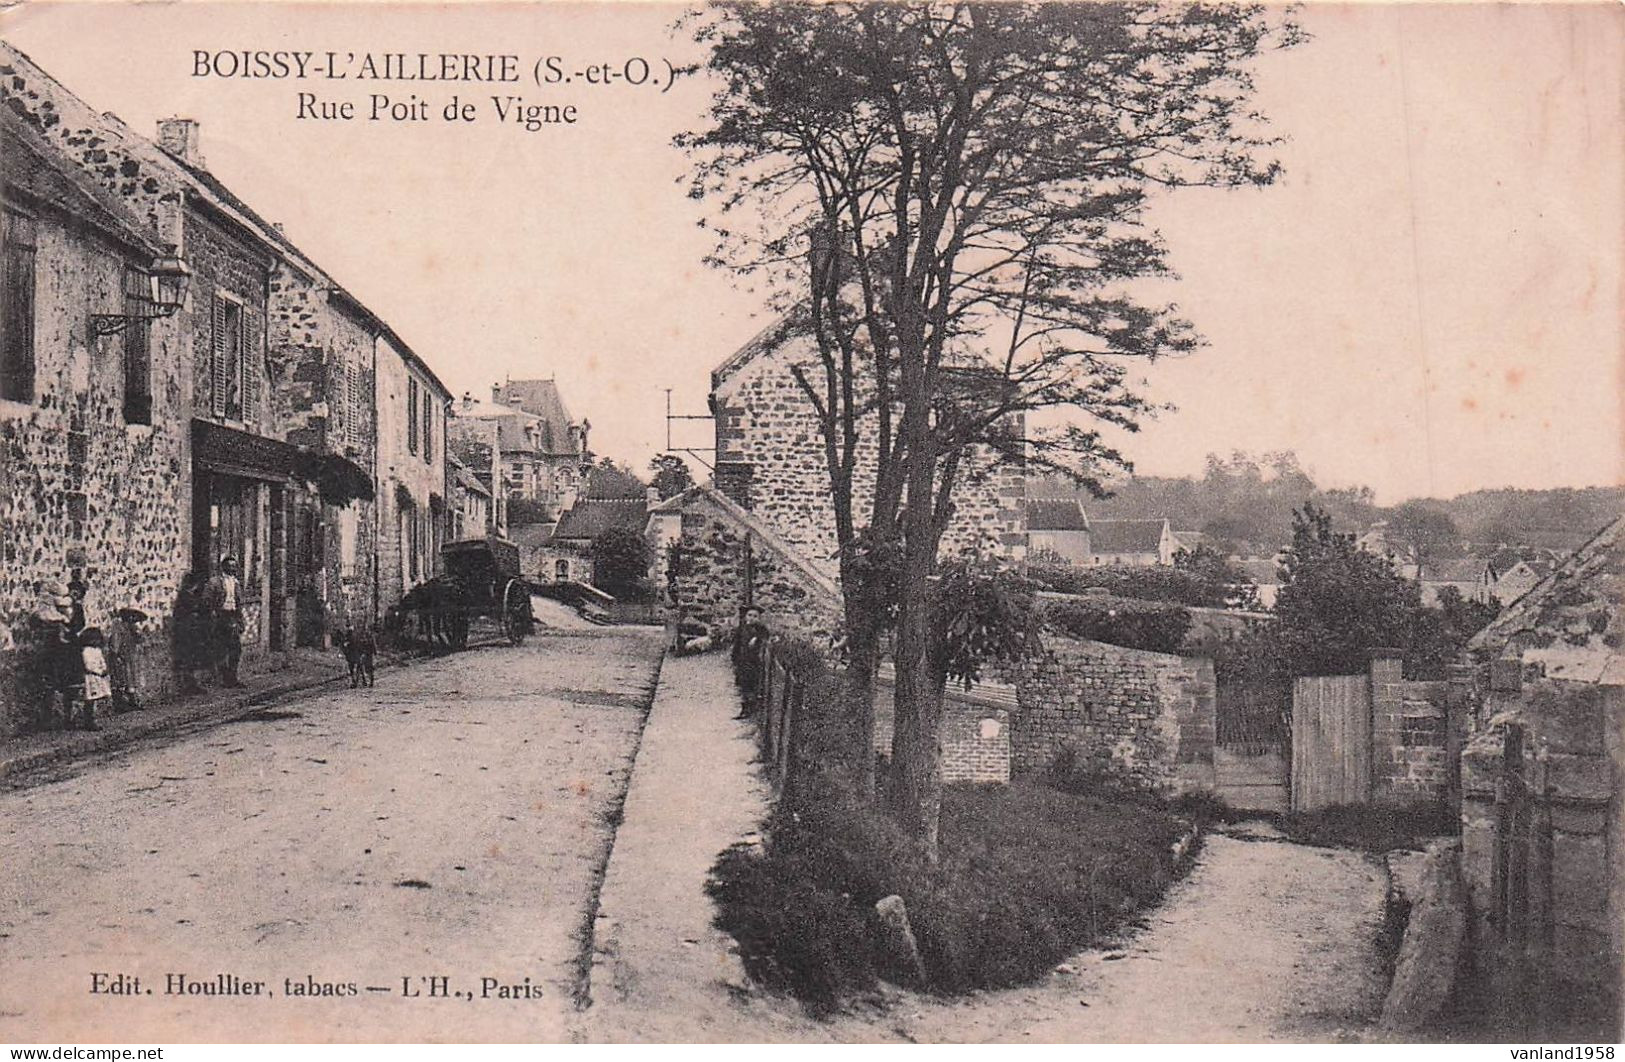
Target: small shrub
point(1132, 624)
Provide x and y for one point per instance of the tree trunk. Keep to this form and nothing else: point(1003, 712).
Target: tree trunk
point(863, 654)
point(916, 789)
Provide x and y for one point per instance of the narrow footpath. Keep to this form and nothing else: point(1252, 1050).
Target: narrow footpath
point(661, 972)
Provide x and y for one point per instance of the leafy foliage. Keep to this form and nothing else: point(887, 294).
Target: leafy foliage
point(670, 475)
point(1337, 602)
point(621, 558)
point(981, 617)
point(1026, 876)
point(1127, 622)
point(1422, 531)
point(1201, 577)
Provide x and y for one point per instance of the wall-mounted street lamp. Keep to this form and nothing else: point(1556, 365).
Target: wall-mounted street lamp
point(169, 278)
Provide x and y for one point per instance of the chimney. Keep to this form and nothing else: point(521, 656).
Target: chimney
point(468, 401)
point(179, 137)
point(496, 394)
point(280, 231)
point(651, 497)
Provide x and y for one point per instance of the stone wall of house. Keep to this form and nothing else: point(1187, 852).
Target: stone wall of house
point(770, 460)
point(79, 487)
point(320, 360)
point(1145, 718)
point(404, 475)
point(124, 165)
point(708, 581)
point(1555, 818)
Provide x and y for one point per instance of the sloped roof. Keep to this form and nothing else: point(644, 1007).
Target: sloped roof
point(1126, 536)
point(590, 517)
point(541, 399)
point(1055, 515)
point(1454, 570)
point(1570, 621)
point(33, 170)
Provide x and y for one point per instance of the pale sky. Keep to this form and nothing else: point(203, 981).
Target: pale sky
point(1428, 302)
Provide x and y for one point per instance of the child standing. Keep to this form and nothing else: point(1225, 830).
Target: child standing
point(98, 687)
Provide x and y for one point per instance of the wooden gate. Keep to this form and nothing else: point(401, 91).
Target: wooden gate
point(1331, 741)
point(1249, 754)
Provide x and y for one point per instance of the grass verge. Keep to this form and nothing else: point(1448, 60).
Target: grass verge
point(1027, 875)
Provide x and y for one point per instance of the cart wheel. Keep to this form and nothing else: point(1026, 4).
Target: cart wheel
point(516, 612)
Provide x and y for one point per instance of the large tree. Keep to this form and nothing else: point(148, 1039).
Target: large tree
point(971, 181)
point(1422, 532)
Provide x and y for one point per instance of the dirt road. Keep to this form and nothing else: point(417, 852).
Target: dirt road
point(263, 878)
point(1264, 941)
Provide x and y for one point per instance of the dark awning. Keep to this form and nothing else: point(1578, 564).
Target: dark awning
point(238, 453)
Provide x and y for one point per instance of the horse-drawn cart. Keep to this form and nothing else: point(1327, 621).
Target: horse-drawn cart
point(481, 581)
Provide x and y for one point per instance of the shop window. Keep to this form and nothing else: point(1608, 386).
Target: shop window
point(17, 246)
point(234, 528)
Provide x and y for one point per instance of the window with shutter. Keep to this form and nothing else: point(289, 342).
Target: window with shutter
point(356, 406)
point(217, 367)
point(411, 416)
point(137, 349)
point(428, 428)
point(251, 362)
point(17, 307)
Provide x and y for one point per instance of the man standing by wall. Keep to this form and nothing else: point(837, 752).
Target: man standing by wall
point(226, 606)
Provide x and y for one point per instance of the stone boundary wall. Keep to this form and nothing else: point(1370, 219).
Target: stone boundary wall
point(1409, 734)
point(1566, 954)
point(975, 736)
point(1142, 717)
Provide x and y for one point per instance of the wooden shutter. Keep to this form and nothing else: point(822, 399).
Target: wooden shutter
point(219, 381)
point(17, 309)
point(252, 362)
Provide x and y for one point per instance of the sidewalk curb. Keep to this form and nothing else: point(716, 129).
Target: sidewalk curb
point(18, 770)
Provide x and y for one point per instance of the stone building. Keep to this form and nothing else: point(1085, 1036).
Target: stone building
point(475, 445)
point(93, 428)
point(611, 499)
point(1058, 527)
point(472, 513)
point(559, 456)
point(542, 455)
point(1139, 543)
point(413, 516)
point(1542, 818)
point(770, 458)
point(241, 422)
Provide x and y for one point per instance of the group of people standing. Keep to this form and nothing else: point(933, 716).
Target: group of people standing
point(76, 671)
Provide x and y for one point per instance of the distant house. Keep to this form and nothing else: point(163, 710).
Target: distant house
point(1472, 577)
point(1060, 527)
point(1190, 541)
point(1266, 575)
point(472, 514)
point(611, 499)
point(1131, 542)
point(1519, 576)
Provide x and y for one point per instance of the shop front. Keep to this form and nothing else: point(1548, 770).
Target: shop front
point(243, 498)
